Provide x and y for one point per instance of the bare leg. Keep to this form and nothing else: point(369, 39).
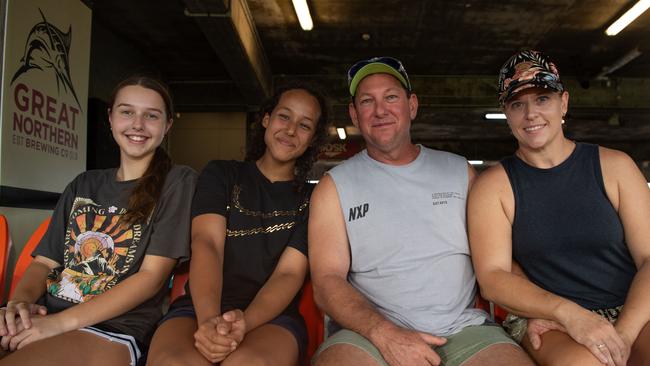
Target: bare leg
point(268, 345)
point(173, 344)
point(344, 355)
point(71, 348)
point(640, 355)
point(559, 349)
point(500, 354)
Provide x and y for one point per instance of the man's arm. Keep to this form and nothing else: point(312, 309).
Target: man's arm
point(329, 259)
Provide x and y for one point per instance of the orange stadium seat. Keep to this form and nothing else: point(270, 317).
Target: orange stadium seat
point(497, 313)
point(314, 319)
point(5, 244)
point(25, 257)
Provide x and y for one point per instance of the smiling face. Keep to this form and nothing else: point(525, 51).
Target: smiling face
point(138, 121)
point(291, 125)
point(535, 117)
point(383, 111)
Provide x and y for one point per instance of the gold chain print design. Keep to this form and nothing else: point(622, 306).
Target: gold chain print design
point(235, 201)
point(262, 230)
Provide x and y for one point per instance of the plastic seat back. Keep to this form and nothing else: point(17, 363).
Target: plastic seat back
point(5, 245)
point(497, 313)
point(25, 257)
point(181, 276)
point(314, 319)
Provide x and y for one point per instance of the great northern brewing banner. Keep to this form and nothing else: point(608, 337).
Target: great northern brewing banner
point(44, 93)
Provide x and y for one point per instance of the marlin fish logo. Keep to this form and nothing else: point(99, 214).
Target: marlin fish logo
point(47, 48)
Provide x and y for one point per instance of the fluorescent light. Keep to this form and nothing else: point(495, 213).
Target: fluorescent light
point(341, 132)
point(475, 162)
point(628, 17)
point(302, 11)
point(495, 116)
point(312, 181)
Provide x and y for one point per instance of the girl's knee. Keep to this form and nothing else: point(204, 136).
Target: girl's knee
point(246, 357)
point(163, 358)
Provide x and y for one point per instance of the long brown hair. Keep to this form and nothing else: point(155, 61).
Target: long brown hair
point(256, 148)
point(146, 193)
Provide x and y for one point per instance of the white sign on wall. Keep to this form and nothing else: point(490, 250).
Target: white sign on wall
point(44, 93)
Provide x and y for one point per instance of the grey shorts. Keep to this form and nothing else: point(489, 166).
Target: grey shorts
point(459, 348)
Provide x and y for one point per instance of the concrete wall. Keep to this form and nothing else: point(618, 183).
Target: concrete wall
point(197, 138)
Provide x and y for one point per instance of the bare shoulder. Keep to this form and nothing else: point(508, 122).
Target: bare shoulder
point(324, 189)
point(493, 179)
point(616, 162)
point(623, 180)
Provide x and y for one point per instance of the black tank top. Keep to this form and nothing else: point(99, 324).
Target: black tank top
point(566, 234)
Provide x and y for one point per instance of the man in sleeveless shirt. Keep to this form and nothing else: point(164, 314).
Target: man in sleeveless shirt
point(388, 246)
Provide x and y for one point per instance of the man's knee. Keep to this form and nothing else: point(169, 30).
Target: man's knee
point(344, 354)
point(501, 354)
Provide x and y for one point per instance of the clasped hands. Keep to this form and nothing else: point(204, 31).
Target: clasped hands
point(22, 323)
point(219, 336)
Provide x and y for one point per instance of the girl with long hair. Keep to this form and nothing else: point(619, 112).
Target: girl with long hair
point(94, 291)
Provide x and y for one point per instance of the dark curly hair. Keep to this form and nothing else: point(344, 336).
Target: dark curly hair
point(256, 146)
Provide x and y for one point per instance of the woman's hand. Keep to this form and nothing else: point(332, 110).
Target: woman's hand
point(21, 311)
point(597, 334)
point(41, 327)
point(4, 342)
point(233, 325)
point(537, 327)
point(212, 341)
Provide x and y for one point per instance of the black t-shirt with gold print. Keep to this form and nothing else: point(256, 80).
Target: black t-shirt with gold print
point(263, 218)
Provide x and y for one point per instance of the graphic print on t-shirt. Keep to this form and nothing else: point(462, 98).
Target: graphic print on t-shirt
point(98, 251)
point(239, 209)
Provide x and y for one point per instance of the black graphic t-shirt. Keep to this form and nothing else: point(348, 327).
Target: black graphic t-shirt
point(96, 253)
point(263, 218)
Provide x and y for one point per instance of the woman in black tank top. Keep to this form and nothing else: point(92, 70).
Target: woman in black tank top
point(558, 231)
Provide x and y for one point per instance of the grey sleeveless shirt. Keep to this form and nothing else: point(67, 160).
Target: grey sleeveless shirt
point(408, 240)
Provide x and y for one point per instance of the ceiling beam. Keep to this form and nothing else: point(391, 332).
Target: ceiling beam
point(229, 27)
point(481, 91)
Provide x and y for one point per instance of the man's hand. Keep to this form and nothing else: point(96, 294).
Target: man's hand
point(403, 347)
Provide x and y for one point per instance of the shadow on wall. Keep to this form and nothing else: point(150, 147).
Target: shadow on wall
point(102, 151)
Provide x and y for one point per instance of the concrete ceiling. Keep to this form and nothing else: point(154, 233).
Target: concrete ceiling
point(227, 55)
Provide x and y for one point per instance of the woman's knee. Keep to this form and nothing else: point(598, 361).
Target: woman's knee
point(640, 355)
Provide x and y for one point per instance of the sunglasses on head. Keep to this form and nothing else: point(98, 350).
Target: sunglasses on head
point(386, 60)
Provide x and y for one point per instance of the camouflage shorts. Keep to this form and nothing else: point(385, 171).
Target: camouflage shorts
point(516, 327)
